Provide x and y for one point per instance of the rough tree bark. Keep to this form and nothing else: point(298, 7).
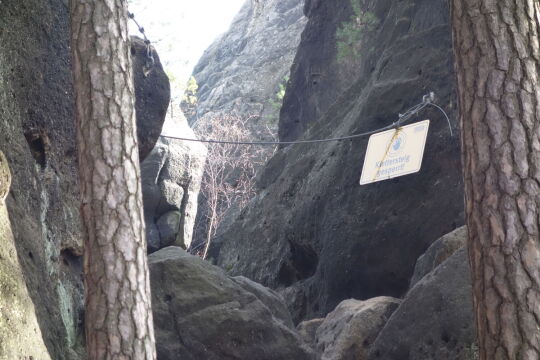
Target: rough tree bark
point(496, 43)
point(118, 317)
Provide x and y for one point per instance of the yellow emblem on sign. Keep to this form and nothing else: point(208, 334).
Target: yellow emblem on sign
point(395, 152)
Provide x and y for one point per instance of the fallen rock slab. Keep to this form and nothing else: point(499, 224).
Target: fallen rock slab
point(201, 313)
point(152, 93)
point(438, 252)
point(435, 320)
point(348, 331)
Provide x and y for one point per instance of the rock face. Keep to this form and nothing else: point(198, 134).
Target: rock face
point(201, 313)
point(268, 297)
point(312, 232)
point(37, 135)
point(19, 329)
point(438, 252)
point(171, 178)
point(435, 320)
point(318, 78)
point(241, 71)
point(348, 331)
point(153, 94)
point(308, 331)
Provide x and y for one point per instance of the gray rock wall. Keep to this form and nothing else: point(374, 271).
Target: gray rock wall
point(20, 335)
point(241, 71)
point(37, 135)
point(312, 232)
point(318, 77)
point(434, 321)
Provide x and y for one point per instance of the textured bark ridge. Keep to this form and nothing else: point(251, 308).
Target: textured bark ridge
point(118, 311)
point(498, 62)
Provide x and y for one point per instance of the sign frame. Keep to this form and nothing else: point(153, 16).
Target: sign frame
point(399, 157)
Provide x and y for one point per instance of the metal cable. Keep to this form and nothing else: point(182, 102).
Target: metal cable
point(445, 115)
point(426, 101)
point(149, 52)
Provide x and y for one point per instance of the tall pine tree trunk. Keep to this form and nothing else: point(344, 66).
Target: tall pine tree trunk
point(496, 43)
point(118, 317)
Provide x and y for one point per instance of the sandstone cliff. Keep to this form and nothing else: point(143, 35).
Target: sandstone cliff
point(37, 134)
point(241, 71)
point(312, 232)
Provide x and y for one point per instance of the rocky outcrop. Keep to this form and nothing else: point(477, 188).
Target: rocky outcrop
point(271, 299)
point(435, 320)
point(348, 331)
point(37, 135)
point(438, 252)
point(318, 77)
point(20, 335)
point(201, 313)
point(171, 179)
point(153, 94)
point(241, 71)
point(312, 232)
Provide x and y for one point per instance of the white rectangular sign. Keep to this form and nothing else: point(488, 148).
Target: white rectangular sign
point(395, 152)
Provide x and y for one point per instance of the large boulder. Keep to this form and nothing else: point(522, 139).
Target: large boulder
point(268, 297)
point(438, 252)
point(201, 313)
point(312, 230)
point(171, 179)
point(348, 331)
point(435, 320)
point(152, 93)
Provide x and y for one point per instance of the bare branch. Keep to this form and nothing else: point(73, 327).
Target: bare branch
point(229, 177)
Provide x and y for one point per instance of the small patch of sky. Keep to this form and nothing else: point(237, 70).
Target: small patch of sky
point(181, 30)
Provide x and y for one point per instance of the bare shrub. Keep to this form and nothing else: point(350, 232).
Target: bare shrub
point(229, 175)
